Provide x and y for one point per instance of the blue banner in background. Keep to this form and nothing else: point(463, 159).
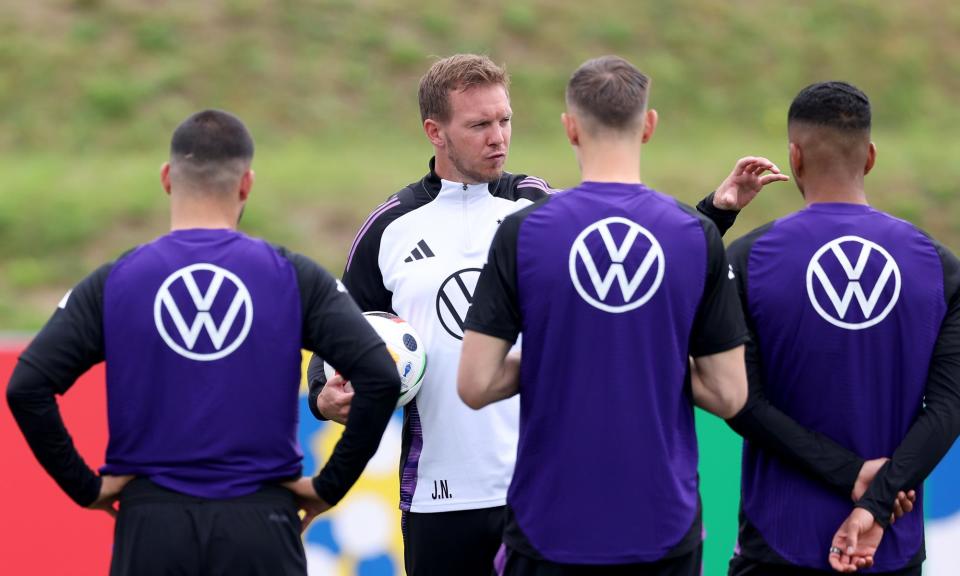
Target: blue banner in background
point(360, 536)
point(942, 503)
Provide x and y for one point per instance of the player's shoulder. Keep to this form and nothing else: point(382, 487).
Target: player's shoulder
point(738, 252)
point(688, 212)
point(949, 263)
point(948, 260)
point(514, 219)
point(111, 268)
point(744, 243)
point(905, 226)
point(89, 291)
point(301, 263)
point(311, 277)
point(687, 209)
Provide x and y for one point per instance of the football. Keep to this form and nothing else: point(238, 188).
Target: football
point(406, 348)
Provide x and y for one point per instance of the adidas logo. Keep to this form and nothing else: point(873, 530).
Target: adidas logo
point(420, 252)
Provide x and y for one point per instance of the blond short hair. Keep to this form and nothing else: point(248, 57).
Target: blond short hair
point(457, 72)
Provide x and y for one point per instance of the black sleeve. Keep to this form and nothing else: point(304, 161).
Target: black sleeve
point(495, 310)
point(316, 380)
point(66, 347)
point(364, 281)
point(768, 428)
point(334, 329)
point(718, 325)
point(723, 219)
point(938, 424)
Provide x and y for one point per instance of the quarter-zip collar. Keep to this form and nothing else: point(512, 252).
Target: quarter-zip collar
point(435, 186)
point(460, 191)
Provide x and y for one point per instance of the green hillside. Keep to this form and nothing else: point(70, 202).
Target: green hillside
point(91, 89)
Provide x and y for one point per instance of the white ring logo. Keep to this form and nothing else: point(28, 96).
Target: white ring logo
point(203, 320)
point(580, 253)
point(854, 289)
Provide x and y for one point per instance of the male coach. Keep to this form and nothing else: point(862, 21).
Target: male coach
point(201, 330)
point(419, 255)
point(614, 286)
point(855, 317)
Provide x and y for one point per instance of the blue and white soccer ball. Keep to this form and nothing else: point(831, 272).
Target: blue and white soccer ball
point(405, 347)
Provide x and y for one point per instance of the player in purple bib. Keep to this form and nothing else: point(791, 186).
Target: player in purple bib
point(201, 331)
point(614, 286)
point(855, 333)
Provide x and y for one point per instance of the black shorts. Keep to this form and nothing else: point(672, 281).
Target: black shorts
point(461, 543)
point(689, 564)
point(740, 566)
point(163, 532)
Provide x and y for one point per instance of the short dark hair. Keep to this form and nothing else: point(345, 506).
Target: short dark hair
point(610, 90)
point(211, 136)
point(836, 105)
point(457, 72)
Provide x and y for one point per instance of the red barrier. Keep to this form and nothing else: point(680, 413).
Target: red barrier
point(43, 531)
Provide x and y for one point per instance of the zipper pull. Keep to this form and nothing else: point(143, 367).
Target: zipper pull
point(464, 187)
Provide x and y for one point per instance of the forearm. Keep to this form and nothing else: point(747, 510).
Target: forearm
point(503, 383)
point(769, 429)
point(34, 407)
point(722, 219)
point(376, 389)
point(927, 442)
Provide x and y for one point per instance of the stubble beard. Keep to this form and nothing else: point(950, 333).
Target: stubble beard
point(465, 171)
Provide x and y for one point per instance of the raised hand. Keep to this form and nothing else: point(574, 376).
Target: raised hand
point(855, 542)
point(745, 182)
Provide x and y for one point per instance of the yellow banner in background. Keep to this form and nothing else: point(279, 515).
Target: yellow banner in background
point(361, 535)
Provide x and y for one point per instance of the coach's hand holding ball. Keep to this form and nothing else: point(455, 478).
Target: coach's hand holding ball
point(408, 352)
point(334, 400)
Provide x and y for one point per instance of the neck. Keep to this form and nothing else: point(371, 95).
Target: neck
point(834, 190)
point(610, 162)
point(186, 213)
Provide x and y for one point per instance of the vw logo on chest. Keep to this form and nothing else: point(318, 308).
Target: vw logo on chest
point(851, 269)
point(454, 299)
point(214, 312)
point(627, 254)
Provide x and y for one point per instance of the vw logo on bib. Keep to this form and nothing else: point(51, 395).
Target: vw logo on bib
point(616, 250)
point(214, 311)
point(853, 283)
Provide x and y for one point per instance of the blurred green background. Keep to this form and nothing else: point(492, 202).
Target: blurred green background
point(90, 91)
